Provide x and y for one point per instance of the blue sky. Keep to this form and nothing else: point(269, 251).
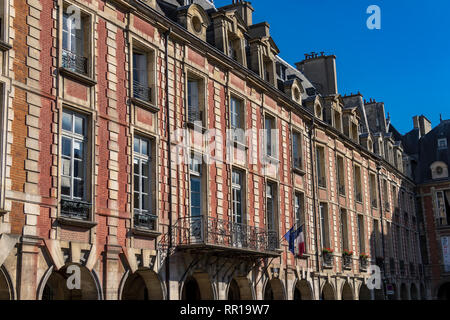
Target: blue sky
point(406, 64)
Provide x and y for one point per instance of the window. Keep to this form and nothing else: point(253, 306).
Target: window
point(144, 74)
point(337, 120)
point(195, 105)
point(143, 181)
point(270, 136)
point(340, 175)
point(3, 21)
point(361, 234)
point(237, 120)
point(398, 243)
point(320, 155)
point(74, 164)
point(394, 198)
point(237, 187)
point(385, 195)
point(195, 170)
point(299, 209)
point(324, 226)
point(344, 230)
point(442, 143)
point(376, 239)
point(297, 150)
point(373, 190)
point(271, 206)
point(442, 207)
point(75, 40)
point(357, 182)
point(354, 132)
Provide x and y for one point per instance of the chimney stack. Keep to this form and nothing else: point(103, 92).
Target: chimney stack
point(245, 10)
point(321, 71)
point(423, 124)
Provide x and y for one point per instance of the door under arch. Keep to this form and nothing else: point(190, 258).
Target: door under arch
point(328, 292)
point(274, 290)
point(302, 291)
point(142, 285)
point(197, 287)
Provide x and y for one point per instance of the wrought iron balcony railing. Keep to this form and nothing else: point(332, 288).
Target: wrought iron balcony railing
point(74, 62)
point(75, 209)
point(322, 181)
point(341, 190)
point(347, 261)
point(145, 220)
point(195, 115)
point(358, 197)
point(142, 92)
point(210, 231)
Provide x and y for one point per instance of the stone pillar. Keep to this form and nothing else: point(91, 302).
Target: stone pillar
point(27, 284)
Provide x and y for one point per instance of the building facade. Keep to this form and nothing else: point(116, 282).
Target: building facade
point(162, 149)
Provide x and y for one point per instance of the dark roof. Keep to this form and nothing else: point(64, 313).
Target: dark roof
point(429, 152)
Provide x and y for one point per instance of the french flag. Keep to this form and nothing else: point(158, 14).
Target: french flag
point(296, 240)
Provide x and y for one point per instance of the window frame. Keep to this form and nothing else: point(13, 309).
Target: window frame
point(340, 175)
point(324, 225)
point(358, 187)
point(297, 149)
point(88, 39)
point(194, 75)
point(239, 115)
point(321, 166)
point(239, 188)
point(152, 210)
point(274, 208)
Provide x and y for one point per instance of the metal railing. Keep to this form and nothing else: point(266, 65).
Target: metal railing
point(75, 209)
point(341, 190)
point(212, 231)
point(358, 197)
point(374, 203)
point(142, 92)
point(363, 263)
point(322, 181)
point(145, 220)
point(74, 62)
point(195, 115)
point(347, 261)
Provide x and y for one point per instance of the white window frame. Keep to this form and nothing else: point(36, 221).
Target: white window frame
point(141, 158)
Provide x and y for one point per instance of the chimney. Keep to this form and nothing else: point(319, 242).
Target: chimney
point(423, 124)
point(321, 71)
point(245, 10)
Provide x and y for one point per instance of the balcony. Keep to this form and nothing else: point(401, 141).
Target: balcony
point(210, 234)
point(145, 221)
point(347, 261)
point(74, 62)
point(142, 92)
point(75, 209)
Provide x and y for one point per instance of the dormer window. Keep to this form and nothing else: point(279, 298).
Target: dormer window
point(281, 71)
point(442, 143)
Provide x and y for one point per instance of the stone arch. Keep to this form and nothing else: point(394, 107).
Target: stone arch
point(6, 292)
point(443, 292)
point(240, 288)
point(423, 295)
point(364, 292)
point(347, 292)
point(302, 290)
point(143, 284)
point(54, 285)
point(274, 290)
point(197, 286)
point(403, 292)
point(328, 292)
point(413, 292)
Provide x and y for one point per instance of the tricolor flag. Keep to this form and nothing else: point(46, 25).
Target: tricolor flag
point(296, 240)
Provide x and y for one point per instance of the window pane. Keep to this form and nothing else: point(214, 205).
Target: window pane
point(79, 125)
point(78, 149)
point(67, 121)
point(145, 202)
point(145, 168)
point(78, 188)
point(66, 147)
point(195, 185)
point(66, 169)
point(136, 201)
point(145, 185)
point(136, 166)
point(136, 145)
point(78, 169)
point(144, 147)
point(136, 183)
point(65, 186)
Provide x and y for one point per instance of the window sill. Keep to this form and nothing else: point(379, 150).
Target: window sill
point(193, 125)
point(137, 231)
point(239, 145)
point(124, 5)
point(145, 104)
point(342, 195)
point(4, 46)
point(77, 77)
point(304, 256)
point(271, 159)
point(76, 222)
point(299, 171)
